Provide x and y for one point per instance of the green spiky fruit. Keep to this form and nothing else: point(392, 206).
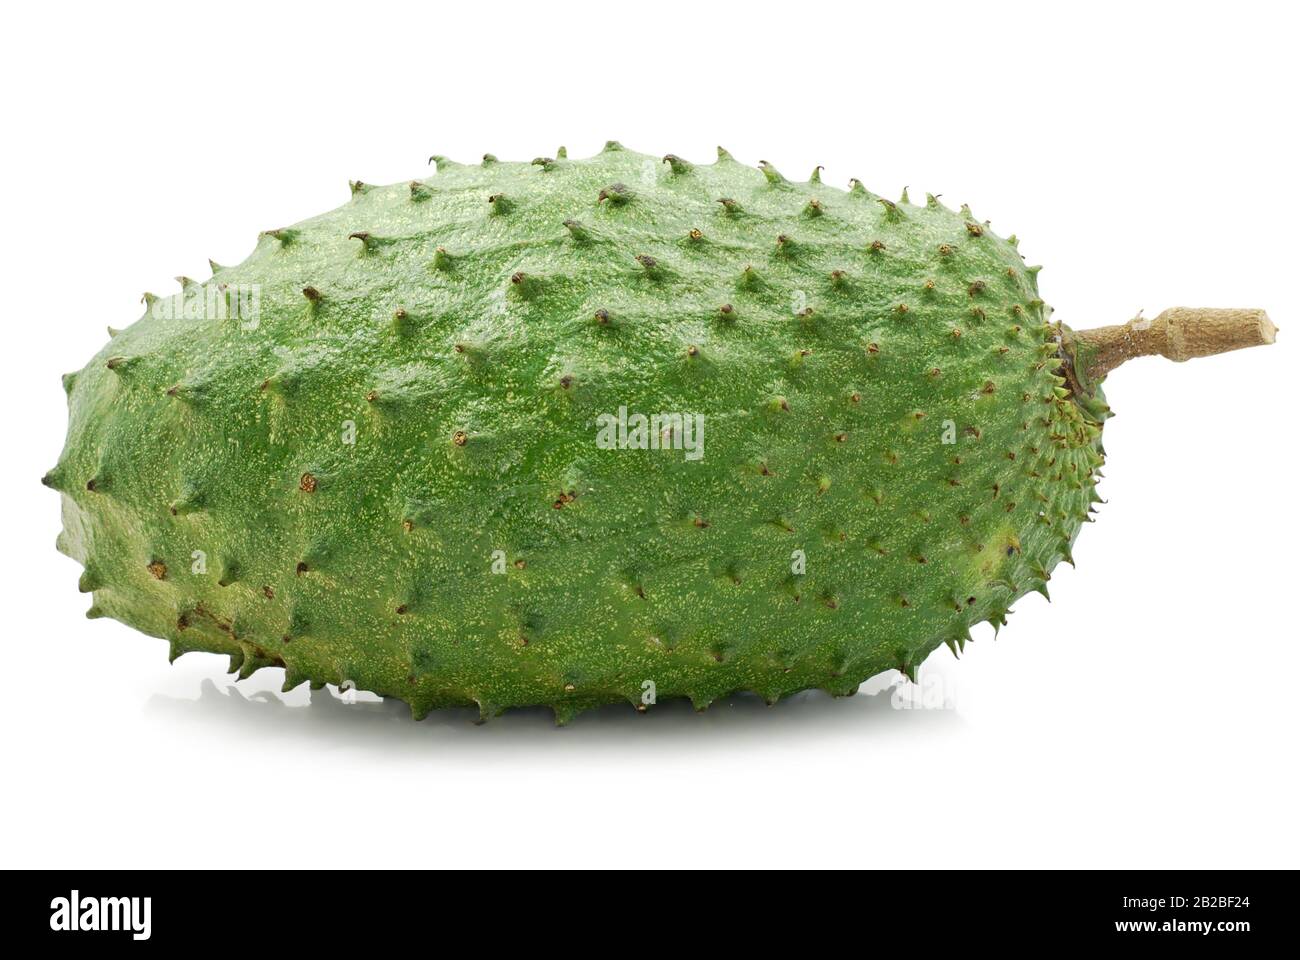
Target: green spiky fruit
point(386, 450)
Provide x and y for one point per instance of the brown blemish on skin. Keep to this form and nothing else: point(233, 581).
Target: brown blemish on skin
point(224, 626)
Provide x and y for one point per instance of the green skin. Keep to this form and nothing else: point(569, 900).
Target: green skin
point(890, 453)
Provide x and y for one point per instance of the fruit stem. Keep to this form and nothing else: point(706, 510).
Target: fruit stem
point(1178, 333)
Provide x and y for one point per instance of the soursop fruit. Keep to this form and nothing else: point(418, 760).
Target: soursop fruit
point(578, 431)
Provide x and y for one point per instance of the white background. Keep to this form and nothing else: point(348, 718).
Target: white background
point(1145, 153)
